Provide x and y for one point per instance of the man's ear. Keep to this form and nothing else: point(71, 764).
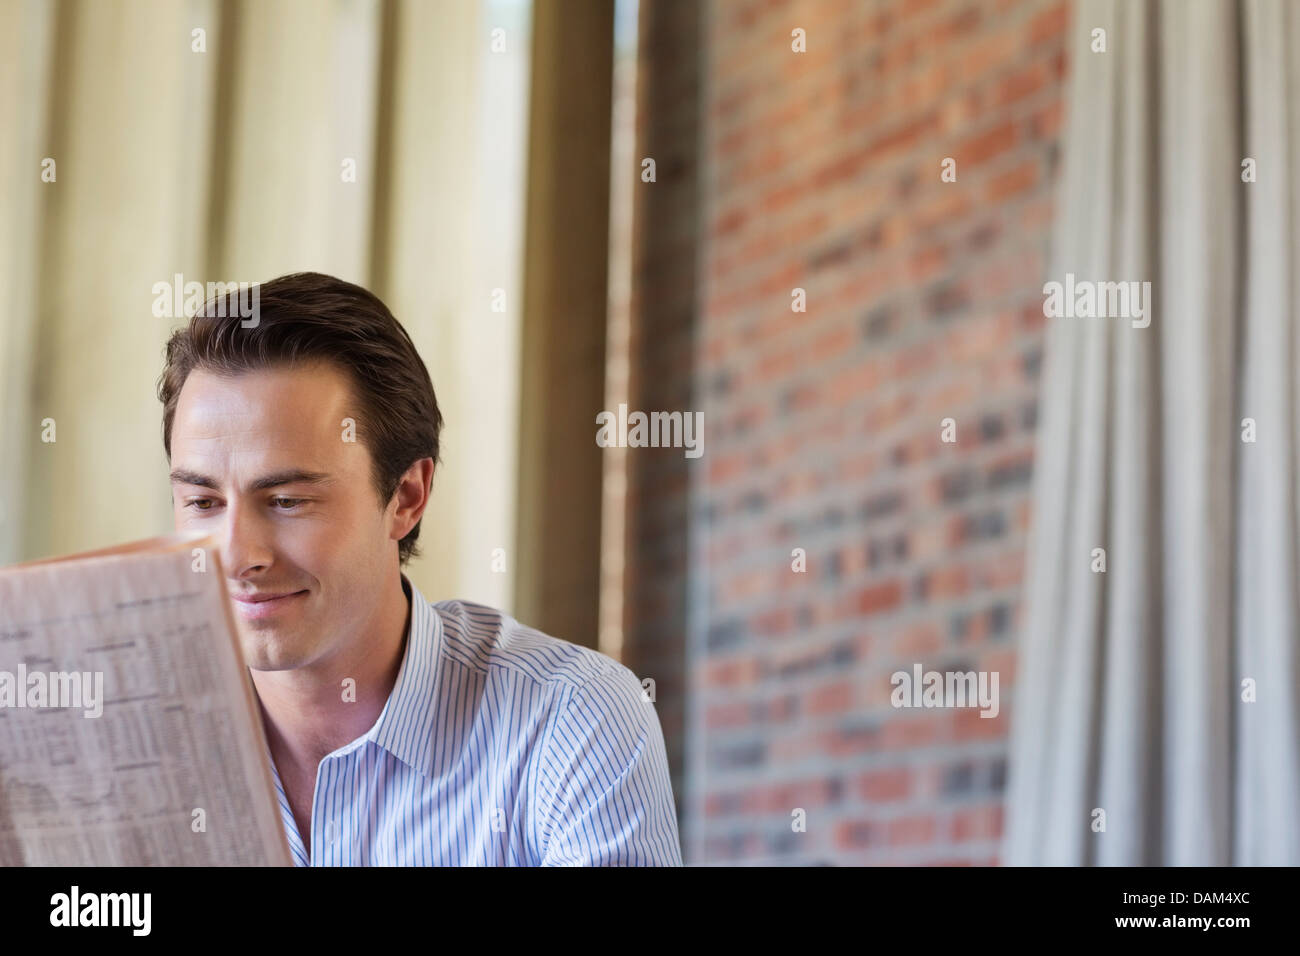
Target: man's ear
point(411, 497)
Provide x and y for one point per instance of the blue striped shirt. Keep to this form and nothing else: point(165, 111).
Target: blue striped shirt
point(498, 746)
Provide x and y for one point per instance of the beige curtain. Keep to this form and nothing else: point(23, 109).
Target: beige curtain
point(1164, 692)
point(220, 156)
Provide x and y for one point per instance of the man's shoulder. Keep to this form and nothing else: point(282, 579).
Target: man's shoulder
point(483, 638)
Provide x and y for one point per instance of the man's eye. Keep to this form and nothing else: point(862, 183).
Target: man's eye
point(199, 504)
point(284, 504)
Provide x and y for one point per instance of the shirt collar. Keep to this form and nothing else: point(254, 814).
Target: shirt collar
point(405, 727)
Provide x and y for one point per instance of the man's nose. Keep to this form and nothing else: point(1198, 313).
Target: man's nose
point(246, 541)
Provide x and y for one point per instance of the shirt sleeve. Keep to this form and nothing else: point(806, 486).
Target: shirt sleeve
point(607, 798)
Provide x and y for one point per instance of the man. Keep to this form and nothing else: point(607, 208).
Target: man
point(400, 732)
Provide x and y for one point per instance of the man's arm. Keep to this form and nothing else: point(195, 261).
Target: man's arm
point(605, 794)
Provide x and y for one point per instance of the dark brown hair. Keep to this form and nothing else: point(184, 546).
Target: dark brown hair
point(307, 317)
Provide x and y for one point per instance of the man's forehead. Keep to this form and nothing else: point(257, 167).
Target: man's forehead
point(318, 388)
point(263, 420)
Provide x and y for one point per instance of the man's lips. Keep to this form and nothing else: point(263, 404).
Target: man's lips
point(260, 605)
point(262, 596)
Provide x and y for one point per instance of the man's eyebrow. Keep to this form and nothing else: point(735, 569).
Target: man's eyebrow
point(293, 476)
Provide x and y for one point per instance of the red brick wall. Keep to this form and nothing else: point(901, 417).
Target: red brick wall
point(821, 170)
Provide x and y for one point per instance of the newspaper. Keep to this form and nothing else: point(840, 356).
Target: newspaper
point(130, 734)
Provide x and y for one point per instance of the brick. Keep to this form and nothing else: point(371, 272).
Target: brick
point(1045, 124)
point(910, 830)
point(782, 708)
point(848, 740)
point(967, 723)
point(904, 137)
point(926, 263)
point(722, 716)
point(729, 223)
point(917, 641)
point(911, 729)
point(914, 9)
point(855, 834)
point(1021, 83)
point(880, 598)
point(774, 622)
point(830, 699)
point(884, 786)
point(1050, 23)
point(1013, 182)
point(988, 53)
point(977, 823)
point(730, 673)
point(946, 583)
point(986, 145)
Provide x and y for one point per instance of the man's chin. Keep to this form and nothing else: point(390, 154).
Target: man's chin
point(270, 650)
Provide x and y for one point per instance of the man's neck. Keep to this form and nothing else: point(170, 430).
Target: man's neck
point(305, 711)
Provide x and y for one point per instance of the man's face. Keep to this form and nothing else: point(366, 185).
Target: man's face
point(261, 461)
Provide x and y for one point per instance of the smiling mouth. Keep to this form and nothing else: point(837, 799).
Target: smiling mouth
point(262, 598)
point(261, 605)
